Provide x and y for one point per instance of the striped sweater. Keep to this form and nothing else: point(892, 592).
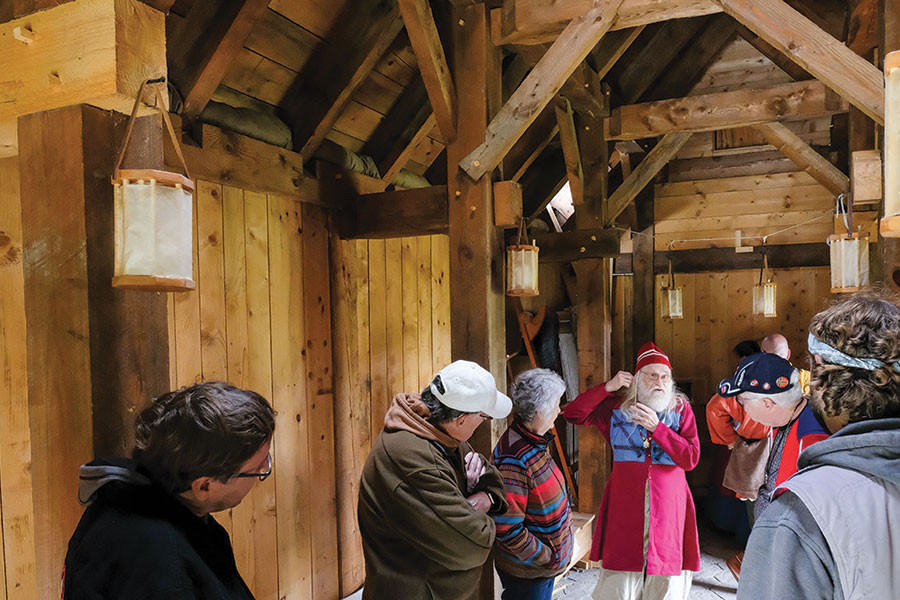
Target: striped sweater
point(534, 537)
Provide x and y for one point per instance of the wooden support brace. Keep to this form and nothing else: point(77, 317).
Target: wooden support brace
point(400, 213)
point(569, 141)
point(661, 154)
point(811, 161)
point(541, 85)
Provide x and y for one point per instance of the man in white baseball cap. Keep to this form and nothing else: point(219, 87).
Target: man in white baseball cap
point(425, 496)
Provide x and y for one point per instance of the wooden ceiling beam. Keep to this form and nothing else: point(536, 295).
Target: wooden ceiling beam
point(389, 141)
point(422, 211)
point(725, 110)
point(540, 86)
point(321, 92)
point(611, 48)
point(823, 56)
point(569, 246)
point(538, 136)
point(644, 173)
point(781, 60)
point(583, 88)
point(539, 21)
point(808, 159)
point(426, 44)
point(204, 45)
point(702, 260)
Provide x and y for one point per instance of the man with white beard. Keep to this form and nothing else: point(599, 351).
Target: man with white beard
point(646, 532)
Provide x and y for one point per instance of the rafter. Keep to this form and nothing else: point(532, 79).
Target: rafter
point(204, 45)
point(652, 164)
point(321, 92)
point(539, 21)
point(539, 87)
point(725, 110)
point(823, 56)
point(583, 89)
point(808, 159)
point(396, 164)
point(781, 60)
point(426, 43)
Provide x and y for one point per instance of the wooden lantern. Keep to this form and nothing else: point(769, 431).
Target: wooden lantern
point(890, 223)
point(522, 267)
point(672, 299)
point(765, 292)
point(153, 221)
point(849, 262)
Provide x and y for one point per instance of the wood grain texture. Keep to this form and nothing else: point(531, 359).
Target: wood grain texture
point(823, 56)
point(801, 153)
point(17, 527)
point(539, 87)
point(724, 110)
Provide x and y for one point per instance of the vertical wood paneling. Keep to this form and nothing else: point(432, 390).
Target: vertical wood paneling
point(423, 297)
point(410, 314)
point(289, 396)
point(440, 302)
point(394, 300)
point(320, 401)
point(17, 571)
point(380, 392)
point(189, 368)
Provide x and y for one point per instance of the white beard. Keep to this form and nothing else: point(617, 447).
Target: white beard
point(657, 399)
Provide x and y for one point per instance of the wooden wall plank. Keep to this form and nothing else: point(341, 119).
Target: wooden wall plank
point(17, 527)
point(409, 257)
point(395, 326)
point(189, 368)
point(423, 297)
point(320, 397)
point(260, 328)
point(378, 316)
point(440, 302)
point(294, 425)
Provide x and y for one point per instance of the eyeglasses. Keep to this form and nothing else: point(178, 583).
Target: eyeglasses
point(261, 476)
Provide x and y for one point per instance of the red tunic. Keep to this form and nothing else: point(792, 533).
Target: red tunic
point(675, 448)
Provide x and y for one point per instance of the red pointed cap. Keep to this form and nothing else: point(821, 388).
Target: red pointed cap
point(650, 354)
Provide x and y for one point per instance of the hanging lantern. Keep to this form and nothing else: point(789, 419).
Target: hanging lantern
point(153, 220)
point(764, 293)
point(849, 262)
point(522, 267)
point(890, 223)
point(672, 299)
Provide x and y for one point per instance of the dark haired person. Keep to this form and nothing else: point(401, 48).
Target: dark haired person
point(147, 533)
point(833, 530)
point(425, 496)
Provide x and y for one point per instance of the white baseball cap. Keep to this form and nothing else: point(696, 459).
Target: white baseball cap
point(470, 388)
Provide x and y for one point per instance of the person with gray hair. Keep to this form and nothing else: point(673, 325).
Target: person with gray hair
point(769, 389)
point(534, 536)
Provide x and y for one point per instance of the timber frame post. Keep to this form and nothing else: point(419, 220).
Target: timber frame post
point(593, 307)
point(96, 354)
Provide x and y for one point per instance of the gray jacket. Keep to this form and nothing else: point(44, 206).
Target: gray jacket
point(833, 533)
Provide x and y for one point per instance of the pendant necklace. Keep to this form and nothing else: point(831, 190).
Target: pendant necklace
point(646, 439)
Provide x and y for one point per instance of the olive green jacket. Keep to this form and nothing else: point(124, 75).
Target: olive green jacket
point(421, 538)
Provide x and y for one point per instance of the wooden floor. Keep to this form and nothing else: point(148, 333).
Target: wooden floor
point(713, 582)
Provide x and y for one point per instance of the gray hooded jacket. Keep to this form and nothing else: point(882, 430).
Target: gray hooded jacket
point(834, 533)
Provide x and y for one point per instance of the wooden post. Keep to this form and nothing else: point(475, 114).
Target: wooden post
point(477, 317)
point(890, 247)
point(95, 354)
point(644, 313)
point(594, 284)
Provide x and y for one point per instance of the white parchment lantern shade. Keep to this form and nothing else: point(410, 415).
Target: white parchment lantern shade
point(765, 293)
point(849, 262)
point(154, 231)
point(672, 299)
point(890, 222)
point(153, 222)
point(522, 270)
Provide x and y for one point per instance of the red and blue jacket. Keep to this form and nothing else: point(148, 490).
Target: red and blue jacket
point(534, 537)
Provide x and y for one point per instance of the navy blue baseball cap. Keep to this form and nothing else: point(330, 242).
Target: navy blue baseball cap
point(760, 373)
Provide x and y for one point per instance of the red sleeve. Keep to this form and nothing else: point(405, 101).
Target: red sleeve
point(721, 430)
point(684, 445)
point(591, 408)
point(750, 429)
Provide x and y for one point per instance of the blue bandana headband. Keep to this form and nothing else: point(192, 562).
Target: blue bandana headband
point(836, 357)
